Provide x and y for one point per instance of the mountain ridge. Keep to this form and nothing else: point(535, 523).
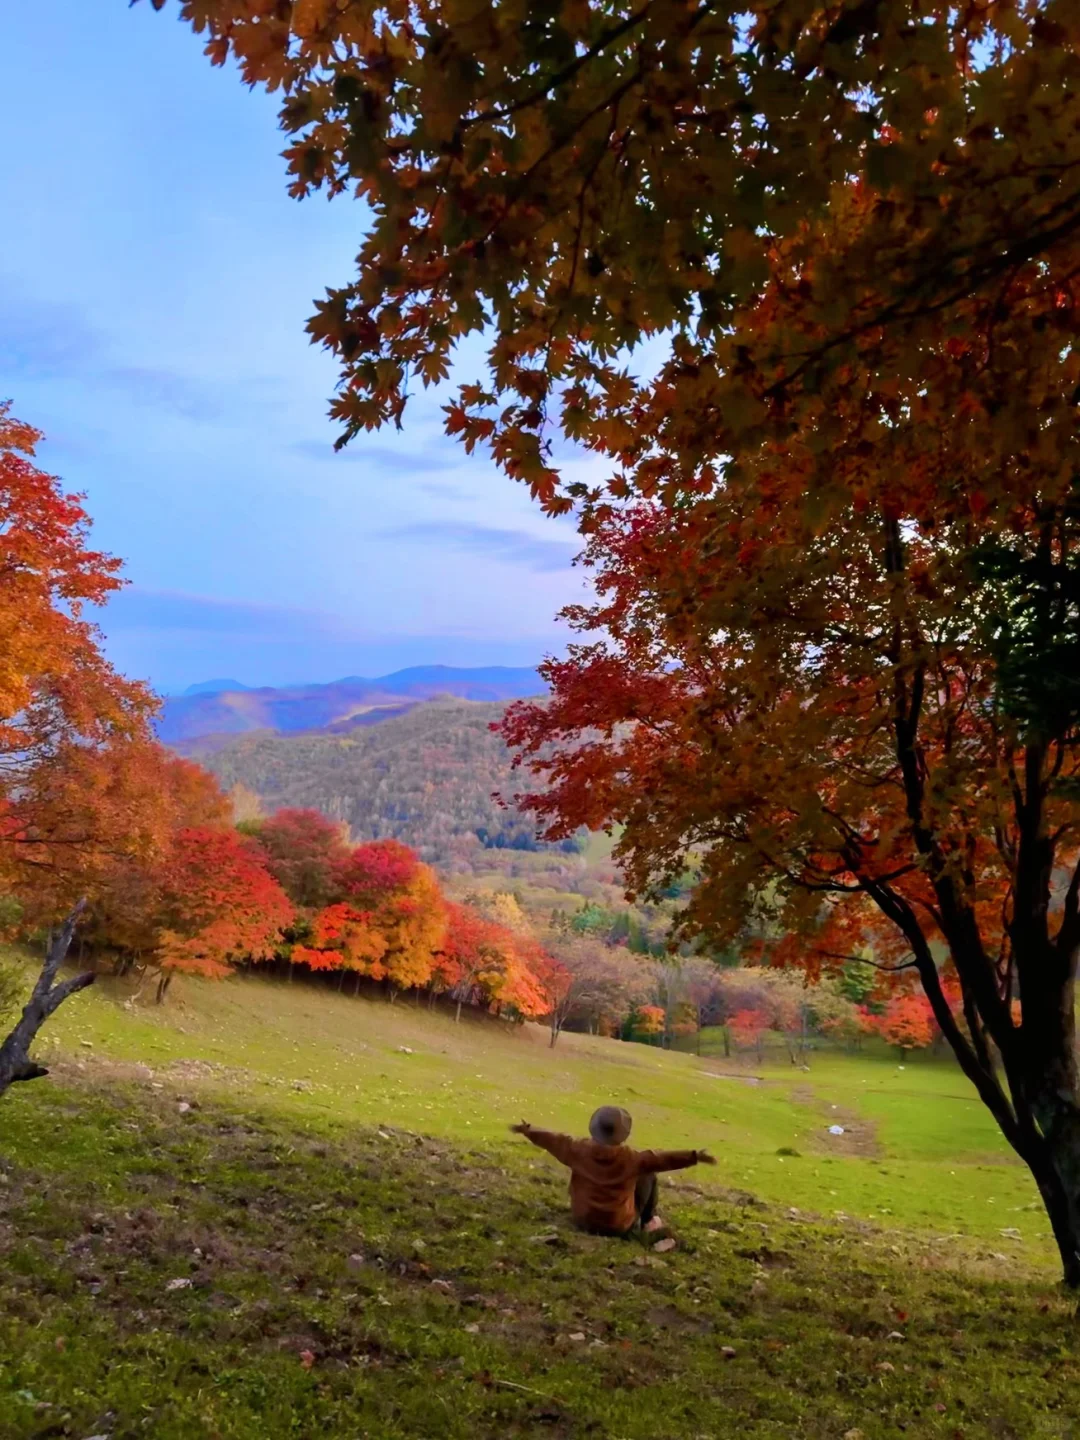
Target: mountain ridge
point(338, 706)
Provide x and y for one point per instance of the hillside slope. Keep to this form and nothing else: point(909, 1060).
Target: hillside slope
point(204, 711)
point(268, 1212)
point(425, 776)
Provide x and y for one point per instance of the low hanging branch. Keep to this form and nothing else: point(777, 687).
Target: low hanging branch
point(47, 996)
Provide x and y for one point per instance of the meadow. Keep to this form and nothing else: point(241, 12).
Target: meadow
point(265, 1209)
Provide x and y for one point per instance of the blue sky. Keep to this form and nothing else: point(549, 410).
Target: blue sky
point(155, 280)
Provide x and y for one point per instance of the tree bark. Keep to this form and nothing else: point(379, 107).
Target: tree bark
point(46, 997)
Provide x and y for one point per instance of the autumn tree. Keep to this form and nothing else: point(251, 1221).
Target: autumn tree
point(343, 938)
point(474, 956)
point(839, 624)
point(749, 1027)
point(218, 905)
point(134, 797)
point(647, 1022)
point(596, 984)
point(387, 882)
point(612, 172)
point(906, 1022)
point(62, 706)
point(304, 850)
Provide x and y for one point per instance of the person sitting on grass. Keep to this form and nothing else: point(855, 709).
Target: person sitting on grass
point(613, 1189)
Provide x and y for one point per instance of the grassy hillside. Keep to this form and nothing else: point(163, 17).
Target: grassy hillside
point(425, 777)
point(253, 1214)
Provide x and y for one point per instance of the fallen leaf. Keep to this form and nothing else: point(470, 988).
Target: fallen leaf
point(307, 1359)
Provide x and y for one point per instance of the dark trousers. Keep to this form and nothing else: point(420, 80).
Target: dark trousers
point(645, 1196)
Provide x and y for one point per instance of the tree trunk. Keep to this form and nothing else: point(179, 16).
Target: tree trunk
point(1050, 1092)
point(46, 997)
point(340, 980)
point(457, 1014)
point(164, 981)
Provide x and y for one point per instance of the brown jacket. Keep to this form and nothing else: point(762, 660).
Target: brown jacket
point(602, 1177)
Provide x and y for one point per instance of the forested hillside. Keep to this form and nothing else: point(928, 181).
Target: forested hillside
point(426, 777)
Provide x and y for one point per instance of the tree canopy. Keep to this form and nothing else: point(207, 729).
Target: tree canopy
point(571, 179)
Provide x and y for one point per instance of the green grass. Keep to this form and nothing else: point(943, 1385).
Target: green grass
point(920, 1149)
point(370, 1253)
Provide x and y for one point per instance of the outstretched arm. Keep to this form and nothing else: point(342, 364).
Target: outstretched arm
point(561, 1146)
point(653, 1161)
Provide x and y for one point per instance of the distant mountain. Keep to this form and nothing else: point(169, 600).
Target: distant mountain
point(341, 706)
point(214, 687)
point(424, 776)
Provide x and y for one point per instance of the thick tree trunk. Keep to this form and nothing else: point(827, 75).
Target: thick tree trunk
point(1050, 1092)
point(164, 981)
point(46, 997)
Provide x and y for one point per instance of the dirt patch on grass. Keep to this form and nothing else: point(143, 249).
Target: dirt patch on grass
point(859, 1136)
point(739, 1079)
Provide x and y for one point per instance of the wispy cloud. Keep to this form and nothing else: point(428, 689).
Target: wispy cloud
point(512, 547)
point(360, 453)
point(52, 341)
point(137, 608)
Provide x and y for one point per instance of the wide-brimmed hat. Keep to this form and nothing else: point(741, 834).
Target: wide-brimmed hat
point(610, 1125)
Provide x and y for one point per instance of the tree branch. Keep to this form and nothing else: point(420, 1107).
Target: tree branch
point(45, 998)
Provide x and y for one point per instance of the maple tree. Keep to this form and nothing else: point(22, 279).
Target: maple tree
point(836, 546)
point(62, 706)
point(343, 938)
point(218, 904)
point(648, 1020)
point(474, 956)
point(304, 850)
point(749, 1027)
point(906, 1022)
